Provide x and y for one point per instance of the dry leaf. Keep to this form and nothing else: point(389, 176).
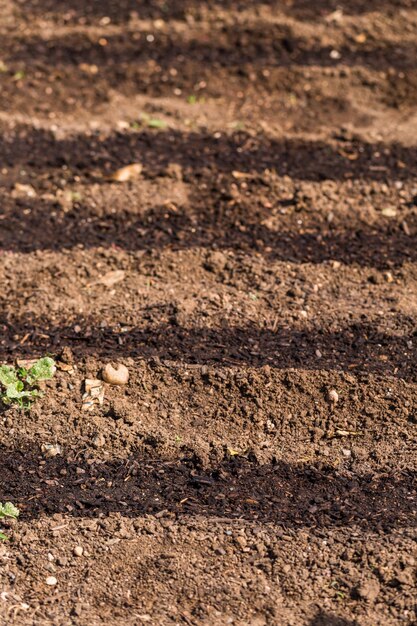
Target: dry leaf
point(94, 393)
point(346, 433)
point(110, 278)
point(335, 16)
point(51, 449)
point(127, 173)
point(26, 363)
point(240, 175)
point(352, 156)
point(65, 367)
point(406, 228)
point(23, 191)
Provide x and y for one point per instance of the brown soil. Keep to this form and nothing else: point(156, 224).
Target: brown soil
point(269, 251)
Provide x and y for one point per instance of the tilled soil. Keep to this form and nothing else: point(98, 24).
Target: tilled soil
point(269, 257)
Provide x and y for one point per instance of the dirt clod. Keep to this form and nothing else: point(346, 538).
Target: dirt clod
point(369, 590)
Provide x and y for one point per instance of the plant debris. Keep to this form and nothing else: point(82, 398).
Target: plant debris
point(124, 174)
point(94, 394)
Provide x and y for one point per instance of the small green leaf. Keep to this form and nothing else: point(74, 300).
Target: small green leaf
point(156, 123)
point(9, 510)
point(44, 369)
point(8, 375)
point(3, 537)
point(22, 372)
point(15, 390)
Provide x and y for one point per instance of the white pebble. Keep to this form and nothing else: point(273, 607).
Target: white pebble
point(333, 396)
point(78, 551)
point(51, 581)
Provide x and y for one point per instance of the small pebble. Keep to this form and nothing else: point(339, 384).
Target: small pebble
point(118, 375)
point(99, 441)
point(347, 453)
point(51, 581)
point(333, 396)
point(78, 551)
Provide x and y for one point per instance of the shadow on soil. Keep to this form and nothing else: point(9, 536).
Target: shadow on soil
point(233, 47)
point(198, 153)
point(120, 11)
point(207, 165)
point(290, 495)
point(47, 226)
point(324, 619)
point(356, 348)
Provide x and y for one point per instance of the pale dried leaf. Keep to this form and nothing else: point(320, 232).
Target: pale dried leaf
point(23, 191)
point(111, 278)
point(94, 393)
point(127, 173)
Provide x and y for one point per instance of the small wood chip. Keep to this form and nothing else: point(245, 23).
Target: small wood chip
point(127, 173)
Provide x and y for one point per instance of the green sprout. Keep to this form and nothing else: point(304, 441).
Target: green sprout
point(8, 510)
point(152, 122)
point(19, 75)
point(18, 385)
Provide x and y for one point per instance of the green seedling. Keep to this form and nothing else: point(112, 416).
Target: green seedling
point(193, 99)
point(19, 75)
point(7, 510)
point(157, 123)
point(152, 122)
point(19, 385)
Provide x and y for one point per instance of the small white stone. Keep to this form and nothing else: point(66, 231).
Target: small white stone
point(333, 396)
point(78, 551)
point(51, 581)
